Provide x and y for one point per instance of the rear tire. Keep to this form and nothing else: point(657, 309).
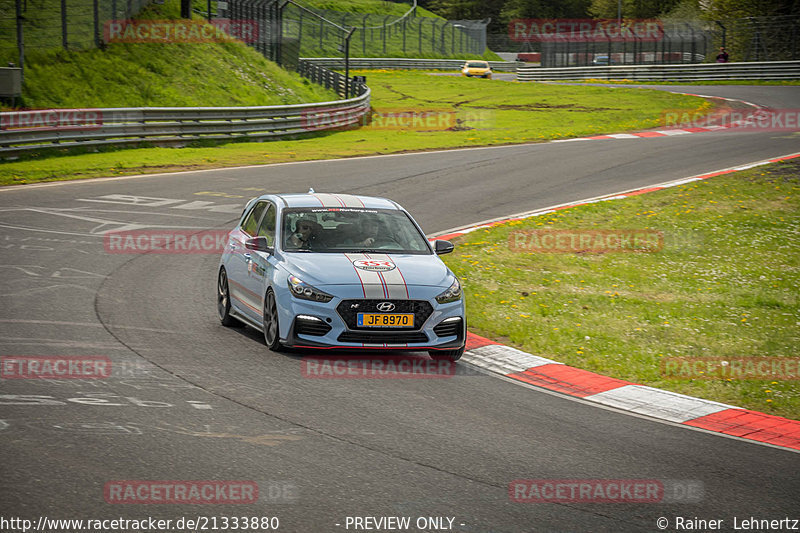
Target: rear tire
point(224, 301)
point(447, 355)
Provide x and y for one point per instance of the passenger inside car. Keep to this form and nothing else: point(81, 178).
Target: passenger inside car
point(306, 231)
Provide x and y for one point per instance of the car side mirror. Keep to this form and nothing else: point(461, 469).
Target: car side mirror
point(442, 247)
point(259, 244)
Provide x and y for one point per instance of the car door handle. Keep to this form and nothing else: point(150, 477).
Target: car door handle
point(247, 258)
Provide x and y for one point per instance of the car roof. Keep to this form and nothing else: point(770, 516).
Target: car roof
point(321, 199)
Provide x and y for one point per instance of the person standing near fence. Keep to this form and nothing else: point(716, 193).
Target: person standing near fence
point(722, 57)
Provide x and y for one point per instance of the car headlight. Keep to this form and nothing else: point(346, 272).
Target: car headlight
point(452, 293)
point(304, 291)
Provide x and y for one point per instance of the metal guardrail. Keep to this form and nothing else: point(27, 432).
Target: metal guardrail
point(774, 70)
point(24, 131)
point(404, 63)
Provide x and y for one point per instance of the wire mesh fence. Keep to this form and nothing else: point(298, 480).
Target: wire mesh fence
point(53, 24)
point(321, 34)
point(677, 42)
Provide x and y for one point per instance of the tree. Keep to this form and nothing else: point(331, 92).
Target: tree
point(514, 9)
point(638, 9)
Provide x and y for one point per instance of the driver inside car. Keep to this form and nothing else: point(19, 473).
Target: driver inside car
point(368, 232)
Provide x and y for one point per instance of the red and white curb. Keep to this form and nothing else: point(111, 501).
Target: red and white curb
point(639, 399)
point(759, 112)
point(648, 401)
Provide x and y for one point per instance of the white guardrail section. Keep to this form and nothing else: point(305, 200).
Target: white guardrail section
point(24, 131)
point(774, 70)
point(404, 63)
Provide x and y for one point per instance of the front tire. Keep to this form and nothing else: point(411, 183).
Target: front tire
point(272, 336)
point(224, 301)
point(447, 355)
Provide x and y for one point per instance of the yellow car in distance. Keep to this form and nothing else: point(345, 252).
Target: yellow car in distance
point(477, 68)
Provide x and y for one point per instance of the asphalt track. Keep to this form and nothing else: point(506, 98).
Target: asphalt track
point(191, 400)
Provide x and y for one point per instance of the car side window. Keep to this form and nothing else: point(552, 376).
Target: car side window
point(267, 226)
point(250, 224)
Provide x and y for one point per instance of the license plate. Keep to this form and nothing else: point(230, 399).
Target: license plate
point(374, 320)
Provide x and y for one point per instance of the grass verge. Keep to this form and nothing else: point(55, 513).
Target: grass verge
point(162, 74)
point(466, 111)
point(724, 285)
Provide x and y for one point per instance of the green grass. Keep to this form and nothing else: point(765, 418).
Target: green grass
point(157, 75)
point(163, 75)
point(378, 7)
point(724, 285)
point(483, 112)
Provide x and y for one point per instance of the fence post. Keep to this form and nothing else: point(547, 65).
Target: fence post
point(384, 33)
point(404, 35)
point(452, 39)
point(20, 38)
point(96, 16)
point(279, 25)
point(300, 29)
point(364, 35)
point(420, 35)
point(64, 24)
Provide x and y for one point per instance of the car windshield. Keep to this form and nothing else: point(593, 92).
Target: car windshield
point(477, 64)
point(344, 229)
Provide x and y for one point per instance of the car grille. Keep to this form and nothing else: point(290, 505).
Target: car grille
point(306, 326)
point(381, 338)
point(421, 309)
point(448, 327)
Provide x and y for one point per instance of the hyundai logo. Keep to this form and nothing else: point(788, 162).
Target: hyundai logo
point(385, 307)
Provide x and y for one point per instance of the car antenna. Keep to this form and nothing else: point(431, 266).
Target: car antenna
point(311, 190)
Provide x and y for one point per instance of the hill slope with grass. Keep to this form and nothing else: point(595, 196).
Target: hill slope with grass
point(171, 74)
